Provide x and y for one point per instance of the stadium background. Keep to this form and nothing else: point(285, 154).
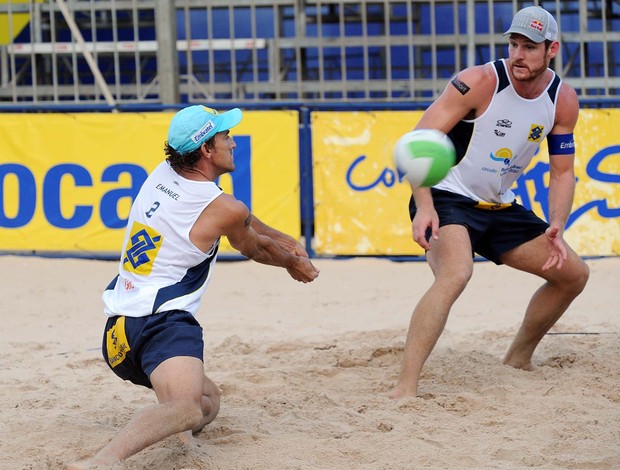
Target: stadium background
point(87, 89)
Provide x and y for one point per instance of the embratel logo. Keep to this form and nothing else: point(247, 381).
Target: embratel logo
point(503, 155)
point(142, 248)
point(537, 25)
point(208, 127)
point(536, 132)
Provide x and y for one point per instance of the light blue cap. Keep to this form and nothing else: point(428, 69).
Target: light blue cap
point(194, 125)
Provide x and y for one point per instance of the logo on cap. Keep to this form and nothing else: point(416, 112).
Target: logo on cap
point(537, 25)
point(204, 130)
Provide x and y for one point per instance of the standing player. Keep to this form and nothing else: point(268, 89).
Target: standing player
point(152, 337)
point(497, 115)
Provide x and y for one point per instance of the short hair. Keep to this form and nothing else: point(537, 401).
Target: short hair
point(185, 161)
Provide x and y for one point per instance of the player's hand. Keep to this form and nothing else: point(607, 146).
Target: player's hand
point(299, 250)
point(302, 269)
point(292, 246)
point(557, 249)
point(424, 219)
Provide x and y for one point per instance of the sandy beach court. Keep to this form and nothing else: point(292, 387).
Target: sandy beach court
point(305, 370)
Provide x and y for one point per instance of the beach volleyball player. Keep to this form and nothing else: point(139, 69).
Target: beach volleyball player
point(152, 337)
point(497, 115)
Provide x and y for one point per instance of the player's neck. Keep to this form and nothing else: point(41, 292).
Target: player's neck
point(196, 174)
point(533, 87)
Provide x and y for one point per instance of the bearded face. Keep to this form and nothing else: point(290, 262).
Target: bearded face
point(529, 60)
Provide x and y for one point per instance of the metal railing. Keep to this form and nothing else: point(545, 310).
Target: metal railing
point(306, 51)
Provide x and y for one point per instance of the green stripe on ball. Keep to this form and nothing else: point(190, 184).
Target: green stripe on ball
point(424, 156)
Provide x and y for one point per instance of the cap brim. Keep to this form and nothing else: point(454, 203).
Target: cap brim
point(229, 119)
point(528, 34)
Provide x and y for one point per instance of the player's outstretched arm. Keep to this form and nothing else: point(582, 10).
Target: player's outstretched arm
point(230, 217)
point(466, 94)
point(287, 242)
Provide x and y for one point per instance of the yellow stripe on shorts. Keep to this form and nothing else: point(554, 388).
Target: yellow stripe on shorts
point(116, 343)
point(493, 206)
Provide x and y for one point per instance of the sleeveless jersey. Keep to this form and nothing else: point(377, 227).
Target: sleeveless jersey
point(160, 268)
point(496, 147)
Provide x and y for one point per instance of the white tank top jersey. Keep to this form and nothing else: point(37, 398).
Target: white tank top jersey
point(496, 147)
point(160, 268)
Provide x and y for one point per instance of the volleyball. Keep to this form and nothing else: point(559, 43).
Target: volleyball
point(424, 156)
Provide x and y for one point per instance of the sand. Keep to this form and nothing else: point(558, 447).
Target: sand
point(305, 371)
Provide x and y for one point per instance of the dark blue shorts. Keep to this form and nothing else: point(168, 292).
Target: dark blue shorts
point(492, 231)
point(134, 347)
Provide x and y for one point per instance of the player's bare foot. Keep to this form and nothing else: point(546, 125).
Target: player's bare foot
point(523, 365)
point(400, 392)
point(186, 438)
point(93, 462)
point(87, 463)
point(81, 465)
point(76, 466)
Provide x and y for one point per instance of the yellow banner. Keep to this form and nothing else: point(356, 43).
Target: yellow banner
point(362, 208)
point(67, 180)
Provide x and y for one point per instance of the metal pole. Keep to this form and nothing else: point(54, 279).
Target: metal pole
point(94, 68)
point(167, 59)
point(471, 33)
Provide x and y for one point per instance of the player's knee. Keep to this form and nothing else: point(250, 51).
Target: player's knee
point(464, 276)
point(577, 279)
point(190, 412)
point(581, 276)
point(210, 389)
point(210, 403)
point(214, 407)
point(455, 280)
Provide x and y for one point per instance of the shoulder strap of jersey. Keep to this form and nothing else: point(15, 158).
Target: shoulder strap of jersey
point(502, 75)
point(554, 87)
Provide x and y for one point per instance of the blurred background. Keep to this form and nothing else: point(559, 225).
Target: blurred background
point(88, 87)
point(113, 52)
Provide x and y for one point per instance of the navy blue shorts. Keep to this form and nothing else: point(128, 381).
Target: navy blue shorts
point(134, 347)
point(492, 231)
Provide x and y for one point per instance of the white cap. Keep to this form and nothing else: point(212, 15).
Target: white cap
point(535, 23)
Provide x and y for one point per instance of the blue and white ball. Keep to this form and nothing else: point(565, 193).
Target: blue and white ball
point(424, 156)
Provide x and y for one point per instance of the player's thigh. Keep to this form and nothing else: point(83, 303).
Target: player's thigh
point(451, 254)
point(179, 378)
point(532, 255)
